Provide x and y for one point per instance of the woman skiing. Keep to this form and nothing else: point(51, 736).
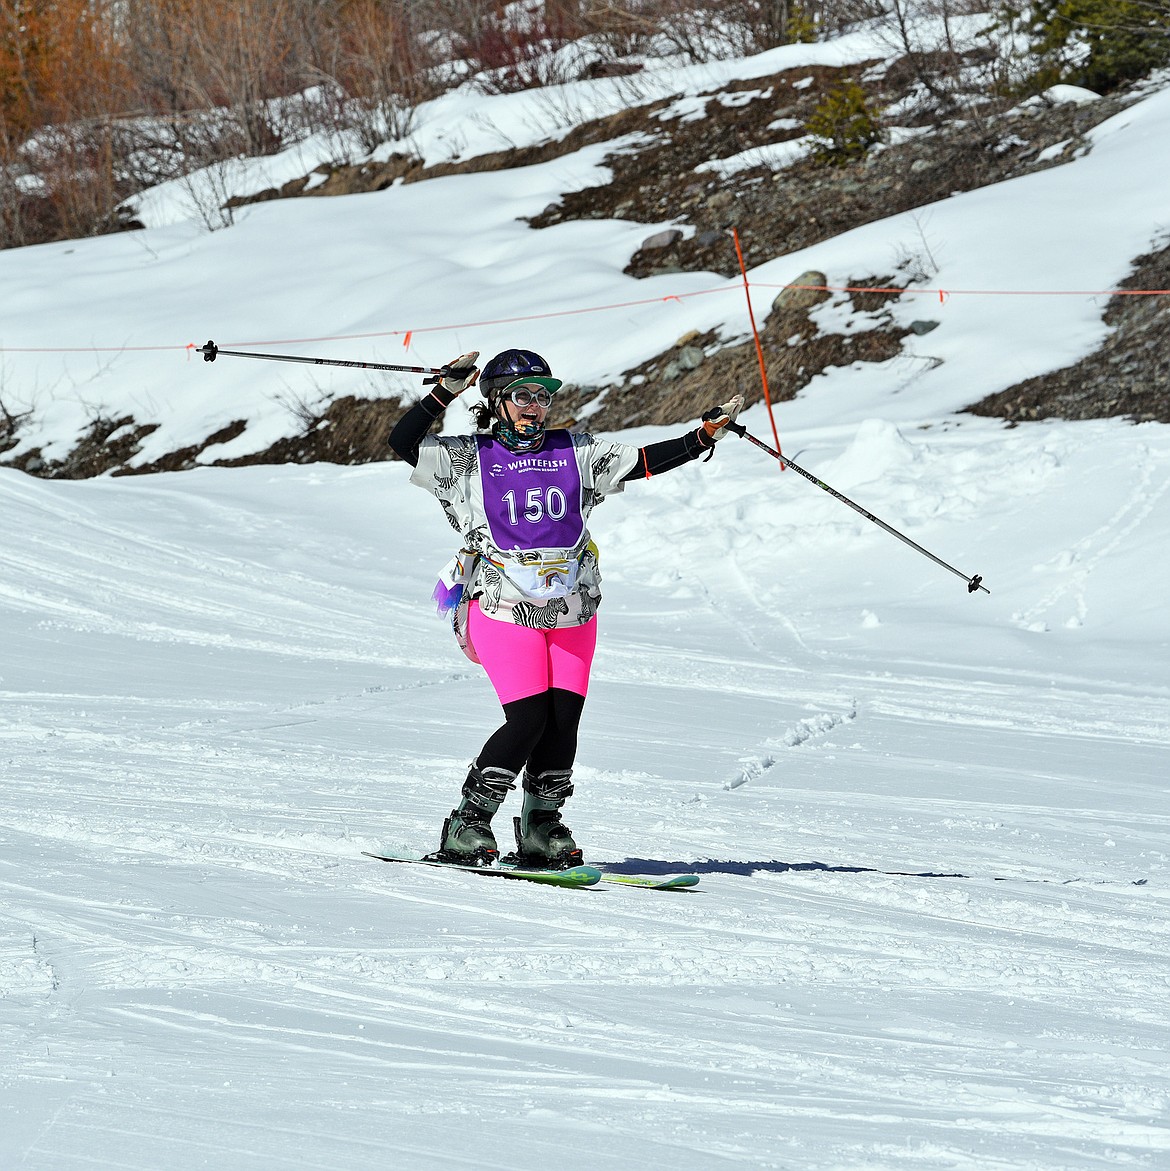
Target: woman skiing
point(525, 586)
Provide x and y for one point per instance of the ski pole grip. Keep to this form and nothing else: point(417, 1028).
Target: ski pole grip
point(439, 375)
point(456, 372)
point(730, 425)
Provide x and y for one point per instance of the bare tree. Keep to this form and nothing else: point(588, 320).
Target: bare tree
point(950, 69)
point(383, 68)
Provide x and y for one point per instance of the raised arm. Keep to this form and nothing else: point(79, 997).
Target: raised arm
point(668, 454)
point(411, 429)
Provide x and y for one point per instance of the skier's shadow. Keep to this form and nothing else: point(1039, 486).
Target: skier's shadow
point(718, 866)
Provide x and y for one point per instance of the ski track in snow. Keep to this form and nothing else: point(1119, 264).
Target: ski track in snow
point(205, 722)
point(1078, 562)
point(933, 925)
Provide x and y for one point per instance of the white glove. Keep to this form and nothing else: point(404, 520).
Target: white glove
point(716, 419)
point(462, 373)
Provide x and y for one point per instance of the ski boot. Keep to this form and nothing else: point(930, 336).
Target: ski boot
point(543, 841)
point(467, 834)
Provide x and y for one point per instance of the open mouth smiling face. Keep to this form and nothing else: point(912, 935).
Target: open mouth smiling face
point(528, 406)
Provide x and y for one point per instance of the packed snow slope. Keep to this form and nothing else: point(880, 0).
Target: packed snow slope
point(933, 924)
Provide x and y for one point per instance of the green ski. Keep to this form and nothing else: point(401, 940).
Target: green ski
point(576, 876)
point(652, 882)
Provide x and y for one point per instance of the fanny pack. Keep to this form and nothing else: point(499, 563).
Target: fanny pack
point(542, 575)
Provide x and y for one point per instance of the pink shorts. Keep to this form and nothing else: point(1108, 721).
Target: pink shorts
point(521, 662)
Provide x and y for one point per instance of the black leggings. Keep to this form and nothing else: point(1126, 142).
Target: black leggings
point(539, 731)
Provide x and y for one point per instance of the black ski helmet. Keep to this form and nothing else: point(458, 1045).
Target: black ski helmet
point(505, 368)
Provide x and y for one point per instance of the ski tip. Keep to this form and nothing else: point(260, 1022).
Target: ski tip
point(571, 876)
point(651, 882)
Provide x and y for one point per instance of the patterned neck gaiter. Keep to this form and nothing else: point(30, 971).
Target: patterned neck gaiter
point(512, 437)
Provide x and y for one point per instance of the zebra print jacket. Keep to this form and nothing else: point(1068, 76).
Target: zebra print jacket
point(500, 579)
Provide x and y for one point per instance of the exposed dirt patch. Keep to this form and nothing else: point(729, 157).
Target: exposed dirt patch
point(701, 370)
point(110, 445)
point(104, 447)
point(779, 209)
point(776, 210)
point(1129, 375)
point(336, 180)
point(346, 431)
point(363, 178)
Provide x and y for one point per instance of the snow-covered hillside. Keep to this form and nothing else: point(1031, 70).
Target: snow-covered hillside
point(932, 928)
point(933, 924)
point(417, 273)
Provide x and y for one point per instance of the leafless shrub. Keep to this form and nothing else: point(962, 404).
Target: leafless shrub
point(383, 69)
point(702, 31)
point(959, 65)
point(10, 424)
point(517, 47)
point(914, 259)
point(102, 98)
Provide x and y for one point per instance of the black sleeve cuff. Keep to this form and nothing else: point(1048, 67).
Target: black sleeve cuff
point(410, 430)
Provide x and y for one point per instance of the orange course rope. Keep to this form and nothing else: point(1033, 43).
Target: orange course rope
point(407, 334)
point(345, 337)
point(944, 293)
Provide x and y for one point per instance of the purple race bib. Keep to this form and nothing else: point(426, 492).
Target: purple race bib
point(532, 499)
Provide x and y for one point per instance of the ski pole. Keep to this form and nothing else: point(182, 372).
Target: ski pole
point(973, 583)
point(211, 351)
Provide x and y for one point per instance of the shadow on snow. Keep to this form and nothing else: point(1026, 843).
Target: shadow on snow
point(720, 866)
